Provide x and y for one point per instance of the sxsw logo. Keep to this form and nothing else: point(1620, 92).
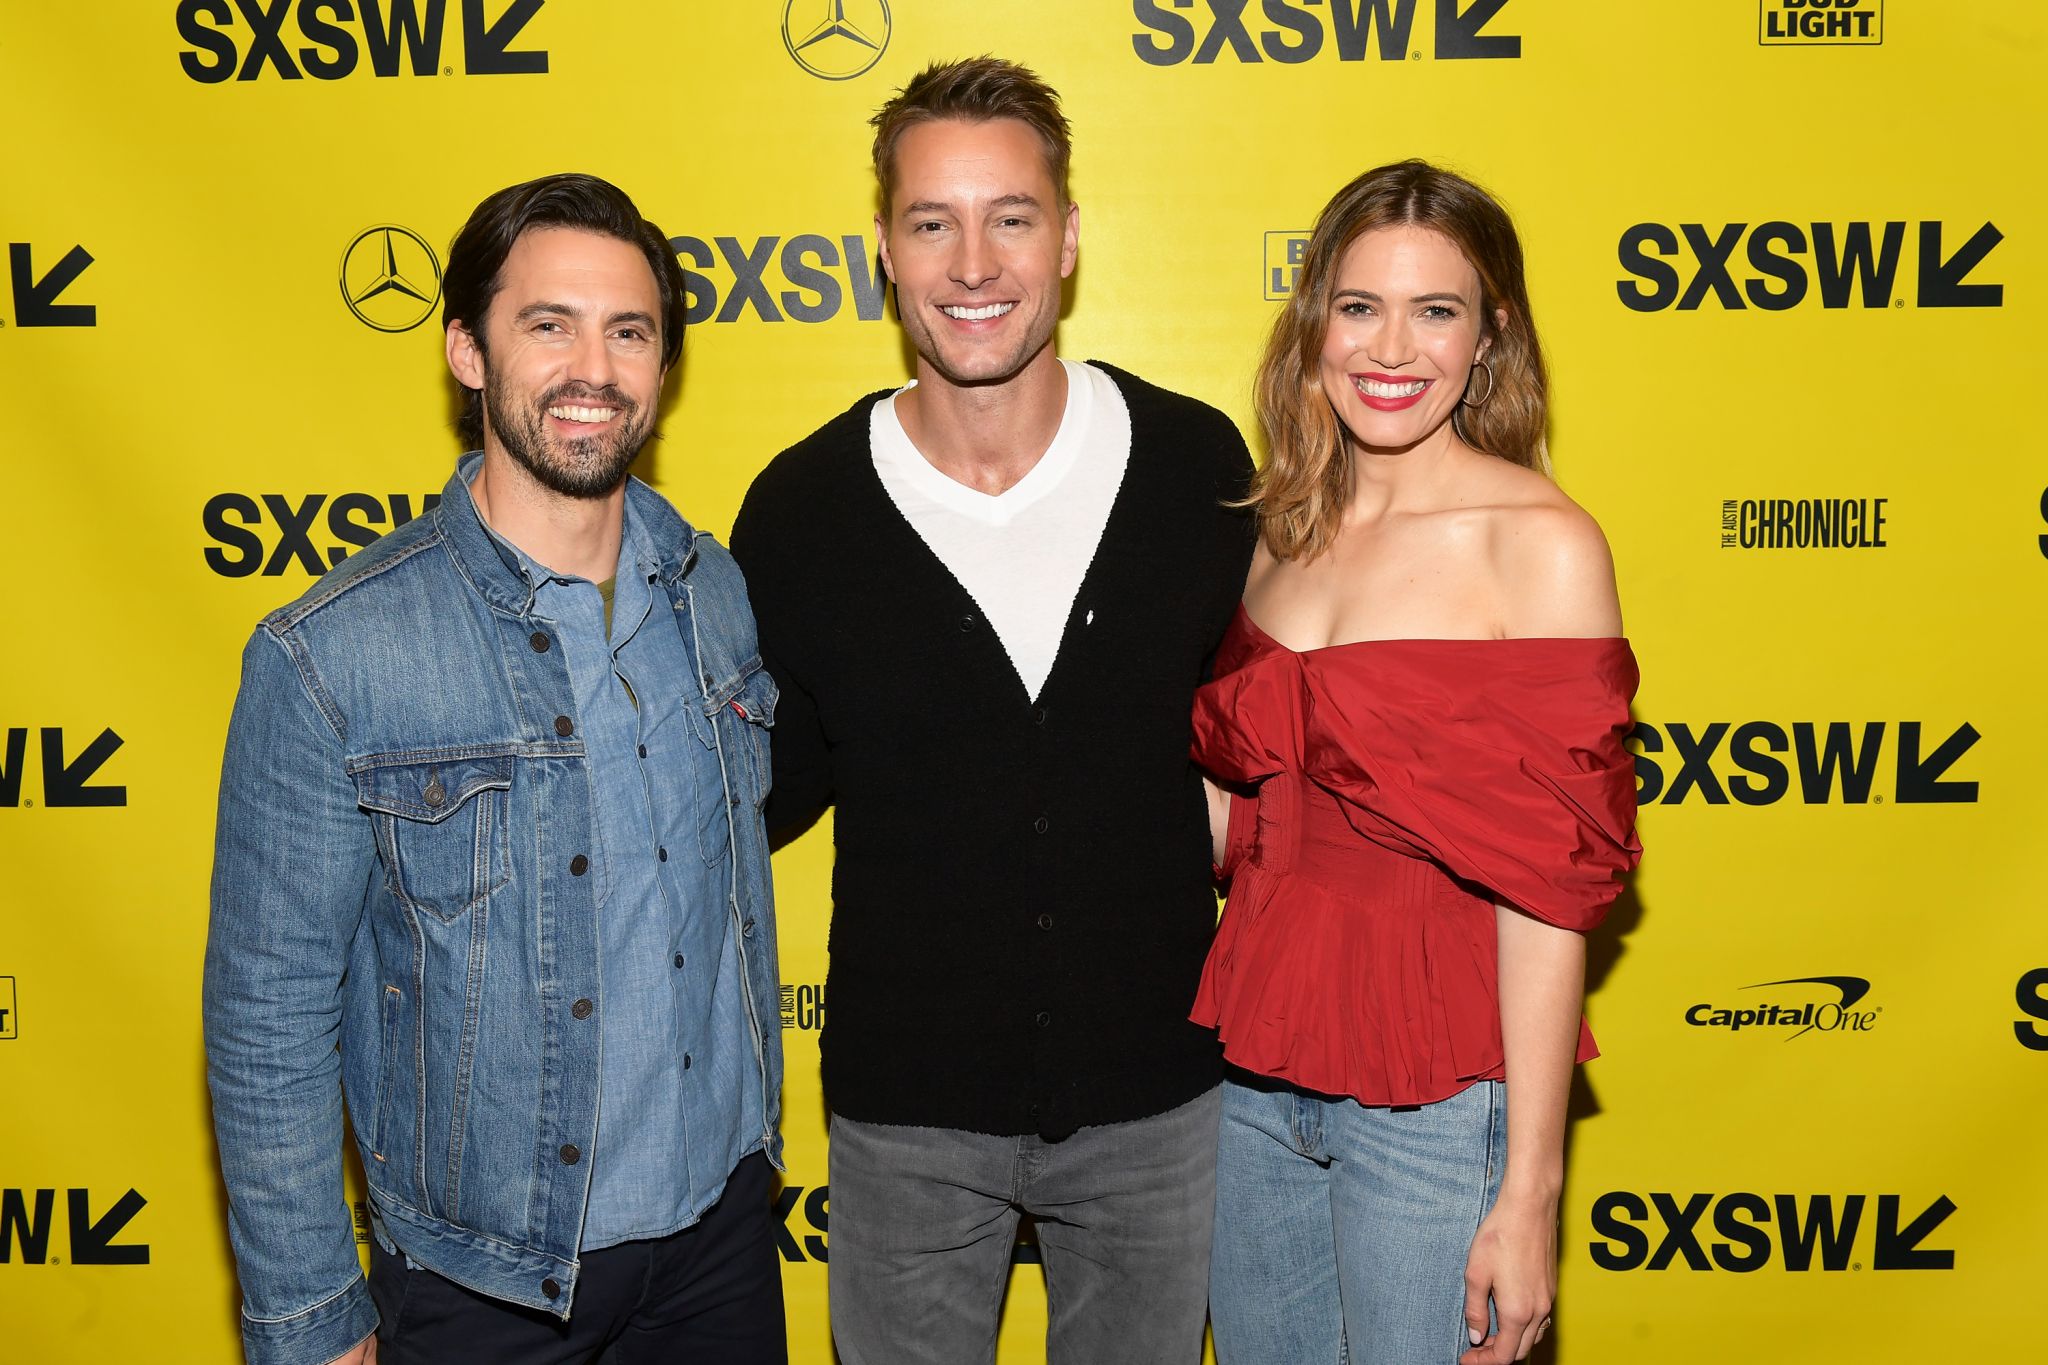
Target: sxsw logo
point(1852, 265)
point(28, 1217)
point(328, 39)
point(1830, 760)
point(806, 1241)
point(1797, 1007)
point(2031, 994)
point(10, 1013)
point(277, 534)
point(805, 278)
point(1297, 31)
point(1285, 251)
point(817, 1215)
point(1820, 23)
point(65, 781)
point(1745, 1232)
point(803, 1007)
point(35, 296)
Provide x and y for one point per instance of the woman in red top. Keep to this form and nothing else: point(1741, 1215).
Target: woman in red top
point(1417, 727)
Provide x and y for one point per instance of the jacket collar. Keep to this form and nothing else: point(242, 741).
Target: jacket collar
point(495, 571)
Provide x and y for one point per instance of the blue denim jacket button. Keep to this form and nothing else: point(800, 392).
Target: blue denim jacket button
point(570, 1156)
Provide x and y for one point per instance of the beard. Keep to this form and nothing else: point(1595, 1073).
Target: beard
point(587, 467)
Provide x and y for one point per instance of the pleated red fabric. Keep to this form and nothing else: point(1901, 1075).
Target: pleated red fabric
point(1388, 794)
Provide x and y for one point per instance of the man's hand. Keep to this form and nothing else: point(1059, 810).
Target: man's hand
point(364, 1353)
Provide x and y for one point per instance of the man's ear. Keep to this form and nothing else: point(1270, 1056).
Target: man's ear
point(882, 248)
point(465, 357)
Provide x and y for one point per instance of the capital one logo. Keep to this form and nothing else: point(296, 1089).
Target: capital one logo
point(836, 40)
point(1295, 31)
point(328, 39)
point(390, 278)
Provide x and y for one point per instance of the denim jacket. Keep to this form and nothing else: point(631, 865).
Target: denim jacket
point(400, 905)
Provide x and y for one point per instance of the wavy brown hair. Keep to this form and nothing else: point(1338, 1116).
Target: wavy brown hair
point(1302, 489)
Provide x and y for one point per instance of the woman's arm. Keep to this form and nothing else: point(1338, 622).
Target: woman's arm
point(1219, 821)
point(1557, 579)
point(1514, 1256)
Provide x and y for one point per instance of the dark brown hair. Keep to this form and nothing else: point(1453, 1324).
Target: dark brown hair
point(1301, 490)
point(568, 201)
point(978, 90)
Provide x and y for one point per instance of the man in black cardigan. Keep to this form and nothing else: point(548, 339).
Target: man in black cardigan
point(988, 599)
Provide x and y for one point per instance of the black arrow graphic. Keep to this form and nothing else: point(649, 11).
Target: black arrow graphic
point(91, 1242)
point(35, 301)
point(1458, 38)
point(483, 45)
point(1899, 1248)
point(1941, 281)
point(1919, 778)
point(64, 783)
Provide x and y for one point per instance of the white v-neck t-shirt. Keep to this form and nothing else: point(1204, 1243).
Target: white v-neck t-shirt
point(1022, 553)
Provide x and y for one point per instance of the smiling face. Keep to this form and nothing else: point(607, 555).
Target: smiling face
point(1404, 332)
point(977, 244)
point(571, 372)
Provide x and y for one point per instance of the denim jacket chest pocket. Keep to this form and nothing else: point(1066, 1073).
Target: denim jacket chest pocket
point(749, 714)
point(441, 825)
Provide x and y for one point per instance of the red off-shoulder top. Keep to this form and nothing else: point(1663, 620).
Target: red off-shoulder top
point(1388, 794)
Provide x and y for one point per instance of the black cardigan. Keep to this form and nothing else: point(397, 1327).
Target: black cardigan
point(1021, 897)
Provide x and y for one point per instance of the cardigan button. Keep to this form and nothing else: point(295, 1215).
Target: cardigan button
point(966, 624)
point(1045, 922)
point(1041, 824)
point(1038, 715)
point(1043, 1019)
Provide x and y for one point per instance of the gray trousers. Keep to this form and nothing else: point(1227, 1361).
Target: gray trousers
point(923, 1220)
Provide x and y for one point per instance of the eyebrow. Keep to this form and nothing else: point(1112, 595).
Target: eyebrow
point(545, 308)
point(1371, 297)
point(1007, 201)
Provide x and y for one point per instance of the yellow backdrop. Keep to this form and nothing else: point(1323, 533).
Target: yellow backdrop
point(1785, 257)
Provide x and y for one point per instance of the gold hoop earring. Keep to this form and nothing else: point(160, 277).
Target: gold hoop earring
point(1467, 399)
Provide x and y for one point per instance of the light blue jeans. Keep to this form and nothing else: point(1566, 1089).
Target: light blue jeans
point(1342, 1230)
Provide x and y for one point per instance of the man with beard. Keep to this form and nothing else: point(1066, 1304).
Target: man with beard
point(490, 872)
point(988, 598)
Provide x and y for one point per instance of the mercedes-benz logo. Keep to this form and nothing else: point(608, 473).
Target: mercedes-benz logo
point(836, 40)
point(390, 278)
